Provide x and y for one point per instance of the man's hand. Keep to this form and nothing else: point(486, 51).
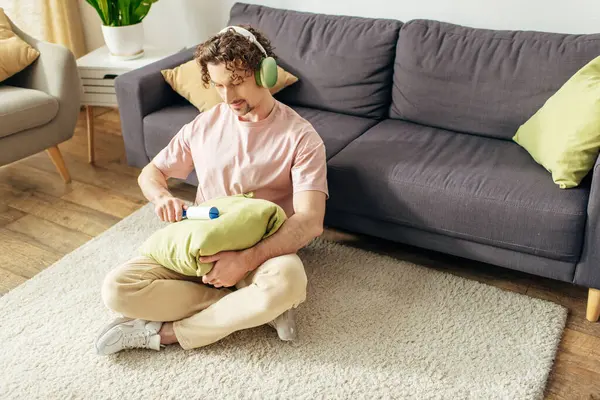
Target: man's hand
point(229, 268)
point(154, 186)
point(169, 208)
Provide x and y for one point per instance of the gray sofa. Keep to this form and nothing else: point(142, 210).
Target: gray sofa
point(417, 119)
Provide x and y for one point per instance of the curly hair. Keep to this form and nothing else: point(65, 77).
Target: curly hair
point(234, 50)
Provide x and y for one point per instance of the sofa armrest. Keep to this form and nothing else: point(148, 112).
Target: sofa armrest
point(587, 272)
point(55, 73)
point(139, 93)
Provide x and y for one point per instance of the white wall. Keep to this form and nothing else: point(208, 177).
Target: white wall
point(91, 26)
point(188, 22)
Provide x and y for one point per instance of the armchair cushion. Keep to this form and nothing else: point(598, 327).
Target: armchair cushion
point(22, 109)
point(15, 53)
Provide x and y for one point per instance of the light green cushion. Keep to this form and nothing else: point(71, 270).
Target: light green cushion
point(564, 135)
point(242, 223)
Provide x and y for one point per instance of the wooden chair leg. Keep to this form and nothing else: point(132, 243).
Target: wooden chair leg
point(593, 306)
point(90, 129)
point(59, 163)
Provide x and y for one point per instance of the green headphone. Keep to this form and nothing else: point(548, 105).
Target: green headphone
point(266, 75)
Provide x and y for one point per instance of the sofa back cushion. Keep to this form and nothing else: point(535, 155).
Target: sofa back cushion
point(481, 81)
point(344, 64)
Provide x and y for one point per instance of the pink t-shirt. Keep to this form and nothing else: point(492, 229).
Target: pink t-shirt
point(274, 158)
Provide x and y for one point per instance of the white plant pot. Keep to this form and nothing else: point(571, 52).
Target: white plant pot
point(124, 42)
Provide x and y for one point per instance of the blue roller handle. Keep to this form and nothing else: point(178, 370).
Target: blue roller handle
point(213, 213)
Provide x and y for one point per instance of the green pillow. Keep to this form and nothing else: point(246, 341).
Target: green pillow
point(564, 135)
point(243, 221)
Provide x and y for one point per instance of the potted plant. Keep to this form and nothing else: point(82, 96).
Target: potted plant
point(122, 25)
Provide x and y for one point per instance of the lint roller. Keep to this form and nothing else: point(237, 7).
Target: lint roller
point(201, 212)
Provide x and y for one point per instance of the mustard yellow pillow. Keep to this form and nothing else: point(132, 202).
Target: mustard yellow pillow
point(15, 53)
point(564, 135)
point(186, 80)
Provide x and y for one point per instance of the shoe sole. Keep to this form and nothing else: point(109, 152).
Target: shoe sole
point(108, 328)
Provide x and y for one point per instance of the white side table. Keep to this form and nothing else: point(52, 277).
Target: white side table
point(98, 71)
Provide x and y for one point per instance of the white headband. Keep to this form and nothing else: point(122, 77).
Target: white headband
point(247, 34)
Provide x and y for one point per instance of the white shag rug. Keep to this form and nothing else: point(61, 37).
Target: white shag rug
point(372, 327)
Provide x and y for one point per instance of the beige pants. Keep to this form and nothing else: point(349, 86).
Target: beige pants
point(142, 288)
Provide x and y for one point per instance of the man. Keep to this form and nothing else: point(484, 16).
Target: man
point(249, 143)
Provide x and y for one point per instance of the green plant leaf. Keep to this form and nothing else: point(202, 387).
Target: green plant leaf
point(142, 9)
point(121, 12)
point(105, 6)
point(115, 18)
point(124, 7)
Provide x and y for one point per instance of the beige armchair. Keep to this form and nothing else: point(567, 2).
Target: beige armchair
point(39, 106)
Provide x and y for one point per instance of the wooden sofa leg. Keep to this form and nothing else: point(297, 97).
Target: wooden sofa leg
point(59, 163)
point(593, 306)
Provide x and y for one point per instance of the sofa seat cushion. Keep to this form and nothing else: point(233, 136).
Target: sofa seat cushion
point(22, 109)
point(336, 130)
point(471, 187)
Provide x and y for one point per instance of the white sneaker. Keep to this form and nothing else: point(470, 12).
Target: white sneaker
point(127, 333)
point(285, 325)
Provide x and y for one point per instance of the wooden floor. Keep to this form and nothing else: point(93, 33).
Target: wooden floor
point(42, 219)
